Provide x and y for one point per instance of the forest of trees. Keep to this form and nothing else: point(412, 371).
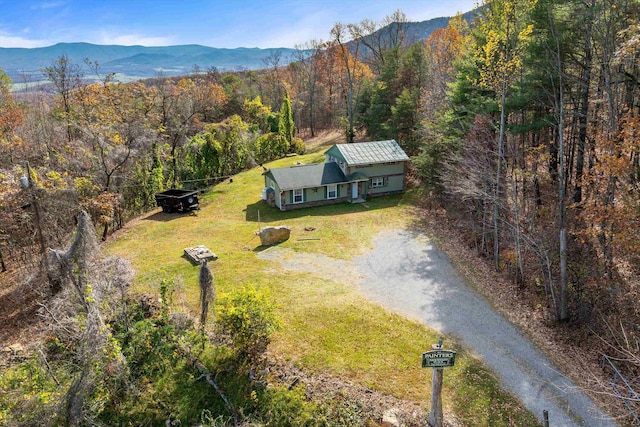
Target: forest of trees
point(524, 124)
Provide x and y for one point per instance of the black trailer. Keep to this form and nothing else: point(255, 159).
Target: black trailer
point(175, 200)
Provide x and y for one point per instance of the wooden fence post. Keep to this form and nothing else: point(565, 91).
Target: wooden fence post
point(435, 413)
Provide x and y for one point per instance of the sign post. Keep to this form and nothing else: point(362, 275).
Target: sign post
point(437, 359)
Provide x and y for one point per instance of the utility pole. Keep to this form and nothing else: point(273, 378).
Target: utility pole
point(437, 359)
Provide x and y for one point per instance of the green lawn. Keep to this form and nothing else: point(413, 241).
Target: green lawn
point(326, 325)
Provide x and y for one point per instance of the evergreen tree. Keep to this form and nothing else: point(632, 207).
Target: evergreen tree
point(286, 125)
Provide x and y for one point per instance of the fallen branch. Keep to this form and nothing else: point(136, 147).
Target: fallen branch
point(209, 377)
point(49, 370)
point(55, 319)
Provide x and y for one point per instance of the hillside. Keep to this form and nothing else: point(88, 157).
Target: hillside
point(332, 340)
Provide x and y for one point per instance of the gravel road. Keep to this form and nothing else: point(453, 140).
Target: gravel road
point(407, 274)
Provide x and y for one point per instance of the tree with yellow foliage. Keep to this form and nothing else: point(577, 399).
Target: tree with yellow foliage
point(503, 35)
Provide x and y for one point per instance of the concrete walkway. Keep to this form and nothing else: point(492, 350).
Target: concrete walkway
point(407, 274)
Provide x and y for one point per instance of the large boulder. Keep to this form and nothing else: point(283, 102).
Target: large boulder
point(272, 235)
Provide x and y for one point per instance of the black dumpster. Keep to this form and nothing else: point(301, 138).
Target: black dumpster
point(175, 200)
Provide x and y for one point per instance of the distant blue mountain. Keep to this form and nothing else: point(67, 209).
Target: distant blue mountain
point(136, 62)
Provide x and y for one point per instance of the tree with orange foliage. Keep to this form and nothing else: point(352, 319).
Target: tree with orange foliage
point(443, 48)
point(181, 107)
point(10, 118)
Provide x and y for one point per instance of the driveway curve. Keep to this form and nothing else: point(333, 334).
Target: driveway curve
point(409, 275)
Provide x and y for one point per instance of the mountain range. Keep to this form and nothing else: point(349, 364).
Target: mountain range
point(24, 65)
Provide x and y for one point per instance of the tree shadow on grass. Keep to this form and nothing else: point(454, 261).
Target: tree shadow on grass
point(480, 398)
point(164, 217)
point(271, 214)
point(261, 248)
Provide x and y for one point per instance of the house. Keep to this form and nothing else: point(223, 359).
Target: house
point(351, 173)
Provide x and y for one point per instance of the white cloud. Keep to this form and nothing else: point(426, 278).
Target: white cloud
point(305, 26)
point(134, 39)
point(13, 41)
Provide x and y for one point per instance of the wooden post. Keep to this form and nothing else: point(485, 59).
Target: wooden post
point(545, 414)
point(435, 414)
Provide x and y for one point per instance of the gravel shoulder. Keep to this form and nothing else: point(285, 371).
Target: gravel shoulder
point(409, 275)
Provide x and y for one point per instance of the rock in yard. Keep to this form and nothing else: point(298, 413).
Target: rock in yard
point(390, 418)
point(272, 235)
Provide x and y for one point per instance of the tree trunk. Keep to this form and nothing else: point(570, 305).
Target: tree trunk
point(583, 111)
point(564, 312)
point(496, 202)
point(312, 92)
point(519, 263)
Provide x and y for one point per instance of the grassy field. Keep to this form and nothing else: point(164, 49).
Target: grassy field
point(327, 326)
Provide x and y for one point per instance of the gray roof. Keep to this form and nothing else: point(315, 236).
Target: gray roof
point(307, 176)
point(366, 153)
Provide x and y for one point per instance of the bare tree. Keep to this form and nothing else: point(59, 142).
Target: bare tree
point(273, 63)
point(307, 55)
point(350, 58)
point(66, 77)
point(378, 38)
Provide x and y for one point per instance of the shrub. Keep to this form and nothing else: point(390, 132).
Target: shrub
point(247, 318)
point(297, 146)
point(270, 146)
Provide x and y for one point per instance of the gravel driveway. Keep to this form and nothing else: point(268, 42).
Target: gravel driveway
point(408, 275)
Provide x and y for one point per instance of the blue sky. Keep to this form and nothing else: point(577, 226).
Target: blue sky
point(217, 23)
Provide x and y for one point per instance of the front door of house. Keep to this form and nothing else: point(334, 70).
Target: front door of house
point(354, 190)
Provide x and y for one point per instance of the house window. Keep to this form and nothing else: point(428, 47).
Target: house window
point(298, 196)
point(332, 191)
point(377, 182)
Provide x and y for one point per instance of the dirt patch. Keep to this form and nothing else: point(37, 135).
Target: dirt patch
point(345, 395)
point(323, 140)
point(20, 326)
point(317, 264)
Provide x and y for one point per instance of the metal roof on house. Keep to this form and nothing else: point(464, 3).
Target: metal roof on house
point(366, 153)
point(307, 176)
point(357, 176)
